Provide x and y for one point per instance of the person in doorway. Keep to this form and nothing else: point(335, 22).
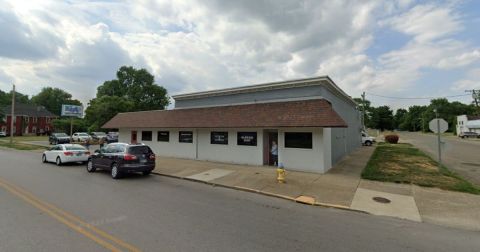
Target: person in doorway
point(274, 152)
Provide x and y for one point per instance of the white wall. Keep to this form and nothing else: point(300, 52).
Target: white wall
point(173, 148)
point(462, 124)
point(310, 160)
point(231, 153)
point(318, 159)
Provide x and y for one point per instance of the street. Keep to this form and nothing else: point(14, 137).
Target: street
point(49, 208)
point(459, 155)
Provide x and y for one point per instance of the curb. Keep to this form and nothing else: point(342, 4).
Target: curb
point(246, 189)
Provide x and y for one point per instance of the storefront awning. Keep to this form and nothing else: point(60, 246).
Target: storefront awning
point(305, 113)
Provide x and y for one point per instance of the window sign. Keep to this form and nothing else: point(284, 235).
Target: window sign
point(146, 136)
point(185, 136)
point(163, 136)
point(247, 138)
point(217, 137)
point(301, 140)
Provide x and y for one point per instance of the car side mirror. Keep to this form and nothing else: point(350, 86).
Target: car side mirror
point(96, 151)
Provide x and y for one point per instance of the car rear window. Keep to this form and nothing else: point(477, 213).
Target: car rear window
point(139, 150)
point(60, 134)
point(75, 148)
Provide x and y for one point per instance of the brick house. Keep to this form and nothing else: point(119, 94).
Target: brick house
point(313, 121)
point(29, 120)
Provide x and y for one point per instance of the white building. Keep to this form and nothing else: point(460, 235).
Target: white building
point(313, 121)
point(468, 124)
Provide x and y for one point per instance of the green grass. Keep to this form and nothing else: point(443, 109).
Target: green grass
point(402, 163)
point(20, 146)
point(27, 138)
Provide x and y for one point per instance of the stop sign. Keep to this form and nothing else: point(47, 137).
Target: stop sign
point(438, 125)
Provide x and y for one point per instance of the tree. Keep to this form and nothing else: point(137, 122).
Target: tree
point(137, 85)
point(133, 90)
point(365, 107)
point(399, 118)
point(53, 98)
point(101, 110)
point(6, 98)
point(382, 118)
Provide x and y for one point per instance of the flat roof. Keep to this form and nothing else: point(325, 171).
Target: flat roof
point(319, 80)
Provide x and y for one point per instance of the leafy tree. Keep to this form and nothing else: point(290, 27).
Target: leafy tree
point(137, 85)
point(53, 98)
point(101, 110)
point(6, 98)
point(63, 125)
point(382, 118)
point(399, 117)
point(133, 90)
point(365, 106)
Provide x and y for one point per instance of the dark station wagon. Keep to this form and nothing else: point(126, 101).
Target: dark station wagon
point(122, 158)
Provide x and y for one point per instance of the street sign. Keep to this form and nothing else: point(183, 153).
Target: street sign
point(438, 125)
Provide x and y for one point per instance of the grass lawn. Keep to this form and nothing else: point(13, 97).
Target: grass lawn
point(21, 146)
point(26, 138)
point(402, 163)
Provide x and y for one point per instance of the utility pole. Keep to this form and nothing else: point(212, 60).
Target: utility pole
point(439, 140)
point(475, 96)
point(363, 110)
point(12, 115)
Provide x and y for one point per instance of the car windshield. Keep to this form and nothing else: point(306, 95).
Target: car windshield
point(75, 147)
point(135, 150)
point(60, 135)
point(99, 133)
point(82, 134)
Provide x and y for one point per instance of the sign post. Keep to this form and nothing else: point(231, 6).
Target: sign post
point(72, 111)
point(438, 126)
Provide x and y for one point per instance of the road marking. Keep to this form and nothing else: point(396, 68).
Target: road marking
point(69, 220)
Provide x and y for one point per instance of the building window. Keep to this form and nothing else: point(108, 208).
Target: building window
point(185, 136)
point(146, 136)
point(247, 138)
point(163, 136)
point(26, 119)
point(301, 140)
point(217, 137)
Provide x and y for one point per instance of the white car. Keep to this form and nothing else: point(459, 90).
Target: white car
point(66, 153)
point(3, 134)
point(367, 140)
point(81, 137)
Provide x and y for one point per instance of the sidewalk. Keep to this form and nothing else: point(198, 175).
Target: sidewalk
point(341, 187)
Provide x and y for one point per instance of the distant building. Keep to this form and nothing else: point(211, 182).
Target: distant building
point(29, 120)
point(313, 122)
point(468, 124)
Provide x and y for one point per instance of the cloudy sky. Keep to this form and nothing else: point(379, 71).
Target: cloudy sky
point(399, 48)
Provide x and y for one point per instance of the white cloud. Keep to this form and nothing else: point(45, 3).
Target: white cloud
point(471, 81)
point(194, 45)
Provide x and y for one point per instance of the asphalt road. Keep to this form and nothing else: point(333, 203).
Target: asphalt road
point(460, 155)
point(48, 208)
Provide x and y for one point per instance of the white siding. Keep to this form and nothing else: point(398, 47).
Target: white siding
point(231, 153)
point(310, 160)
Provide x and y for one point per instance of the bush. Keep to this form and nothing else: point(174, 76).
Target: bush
point(393, 139)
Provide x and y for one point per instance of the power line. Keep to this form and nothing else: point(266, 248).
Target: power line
point(416, 98)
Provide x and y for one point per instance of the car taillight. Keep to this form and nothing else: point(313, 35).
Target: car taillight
point(152, 157)
point(87, 152)
point(68, 153)
point(129, 157)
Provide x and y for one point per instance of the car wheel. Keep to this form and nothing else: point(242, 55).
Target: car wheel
point(90, 166)
point(115, 172)
point(368, 143)
point(58, 161)
point(44, 158)
point(146, 173)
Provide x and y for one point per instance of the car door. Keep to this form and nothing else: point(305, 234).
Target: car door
point(55, 152)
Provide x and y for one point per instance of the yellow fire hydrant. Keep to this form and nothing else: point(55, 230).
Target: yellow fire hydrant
point(280, 174)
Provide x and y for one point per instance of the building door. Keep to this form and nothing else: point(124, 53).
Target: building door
point(269, 136)
point(133, 139)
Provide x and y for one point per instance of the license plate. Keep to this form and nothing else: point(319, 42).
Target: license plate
point(143, 160)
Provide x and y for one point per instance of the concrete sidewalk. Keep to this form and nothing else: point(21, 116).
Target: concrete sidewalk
point(341, 187)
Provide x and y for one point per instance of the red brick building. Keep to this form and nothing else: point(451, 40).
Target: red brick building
point(29, 120)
